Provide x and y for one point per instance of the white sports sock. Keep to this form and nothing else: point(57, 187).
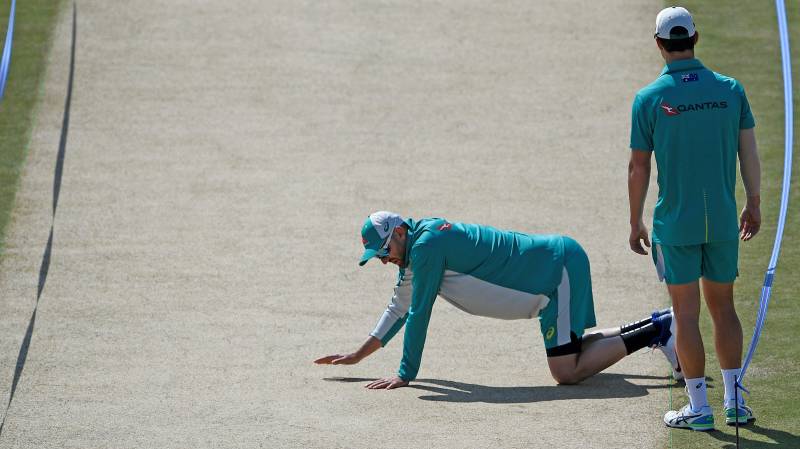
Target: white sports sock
point(696, 388)
point(729, 377)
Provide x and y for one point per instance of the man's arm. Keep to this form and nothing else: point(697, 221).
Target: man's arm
point(638, 181)
point(750, 166)
point(391, 321)
point(428, 267)
point(396, 313)
point(428, 272)
point(371, 345)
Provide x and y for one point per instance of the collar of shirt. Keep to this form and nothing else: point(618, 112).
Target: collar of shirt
point(410, 239)
point(682, 65)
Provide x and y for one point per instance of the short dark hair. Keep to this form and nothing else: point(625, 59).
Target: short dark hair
point(677, 41)
point(671, 45)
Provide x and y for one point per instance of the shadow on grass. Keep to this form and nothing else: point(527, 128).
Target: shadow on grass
point(779, 438)
point(600, 386)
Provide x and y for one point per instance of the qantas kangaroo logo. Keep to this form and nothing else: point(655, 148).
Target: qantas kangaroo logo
point(669, 110)
point(445, 227)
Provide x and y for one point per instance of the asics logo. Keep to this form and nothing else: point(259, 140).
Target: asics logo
point(445, 227)
point(685, 418)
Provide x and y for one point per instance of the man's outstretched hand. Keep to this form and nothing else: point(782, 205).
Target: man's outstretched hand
point(388, 383)
point(338, 359)
point(371, 345)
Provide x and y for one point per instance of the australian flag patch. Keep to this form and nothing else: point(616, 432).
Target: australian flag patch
point(689, 77)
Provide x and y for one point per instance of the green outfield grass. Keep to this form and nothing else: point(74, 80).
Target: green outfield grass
point(740, 39)
point(35, 20)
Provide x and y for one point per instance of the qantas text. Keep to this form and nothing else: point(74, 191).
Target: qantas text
point(702, 106)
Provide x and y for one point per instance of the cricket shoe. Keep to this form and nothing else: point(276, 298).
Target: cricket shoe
point(744, 413)
point(685, 418)
point(665, 341)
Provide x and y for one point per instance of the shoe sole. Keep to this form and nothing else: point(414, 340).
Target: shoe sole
point(695, 428)
point(732, 422)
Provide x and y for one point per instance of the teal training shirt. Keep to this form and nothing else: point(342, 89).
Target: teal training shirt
point(691, 117)
point(479, 269)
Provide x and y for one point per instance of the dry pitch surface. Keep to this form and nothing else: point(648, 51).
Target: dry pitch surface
point(221, 159)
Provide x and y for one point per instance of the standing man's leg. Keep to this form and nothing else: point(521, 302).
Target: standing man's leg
point(728, 343)
point(727, 328)
point(686, 312)
point(720, 268)
point(690, 349)
point(681, 267)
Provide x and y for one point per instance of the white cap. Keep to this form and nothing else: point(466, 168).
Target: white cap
point(674, 16)
point(384, 222)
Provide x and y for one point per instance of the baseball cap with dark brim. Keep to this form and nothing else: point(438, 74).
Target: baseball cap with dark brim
point(376, 233)
point(674, 22)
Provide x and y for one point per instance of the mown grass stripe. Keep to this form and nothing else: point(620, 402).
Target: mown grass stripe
point(33, 33)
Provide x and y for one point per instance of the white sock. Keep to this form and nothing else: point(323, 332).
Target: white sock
point(696, 388)
point(729, 377)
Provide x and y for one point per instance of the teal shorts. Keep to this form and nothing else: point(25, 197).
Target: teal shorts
point(715, 261)
point(571, 308)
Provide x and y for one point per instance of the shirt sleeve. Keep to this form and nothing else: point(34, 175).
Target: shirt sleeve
point(428, 266)
point(746, 119)
point(641, 126)
point(397, 311)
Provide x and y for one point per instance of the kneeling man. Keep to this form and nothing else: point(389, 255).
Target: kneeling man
point(499, 274)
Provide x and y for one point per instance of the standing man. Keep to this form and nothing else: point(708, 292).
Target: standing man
point(697, 122)
point(500, 274)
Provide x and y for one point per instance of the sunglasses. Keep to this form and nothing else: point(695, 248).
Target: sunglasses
point(384, 251)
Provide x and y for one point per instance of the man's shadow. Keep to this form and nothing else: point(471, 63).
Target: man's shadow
point(779, 438)
point(599, 386)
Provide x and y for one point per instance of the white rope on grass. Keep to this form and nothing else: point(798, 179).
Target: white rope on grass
point(766, 290)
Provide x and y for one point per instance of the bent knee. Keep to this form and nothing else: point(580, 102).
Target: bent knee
point(566, 378)
point(567, 381)
point(564, 369)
